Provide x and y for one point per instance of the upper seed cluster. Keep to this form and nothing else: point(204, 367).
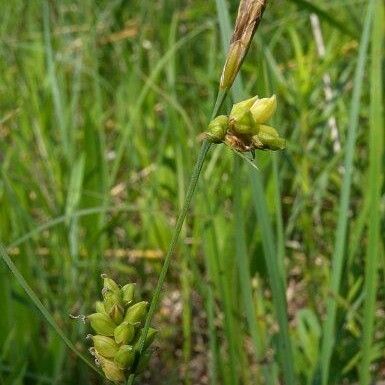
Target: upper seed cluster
point(245, 129)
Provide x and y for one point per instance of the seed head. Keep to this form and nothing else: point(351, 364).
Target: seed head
point(105, 346)
point(263, 109)
point(102, 324)
point(241, 120)
point(125, 357)
point(124, 333)
point(116, 343)
point(217, 129)
point(244, 130)
point(270, 138)
point(109, 284)
point(136, 313)
point(113, 305)
point(99, 307)
point(111, 370)
point(128, 292)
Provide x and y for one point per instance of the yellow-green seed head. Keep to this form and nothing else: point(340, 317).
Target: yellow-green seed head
point(109, 284)
point(128, 293)
point(136, 313)
point(124, 333)
point(217, 129)
point(241, 120)
point(257, 142)
point(113, 305)
point(263, 109)
point(105, 346)
point(99, 307)
point(270, 138)
point(240, 108)
point(102, 324)
point(125, 357)
point(111, 370)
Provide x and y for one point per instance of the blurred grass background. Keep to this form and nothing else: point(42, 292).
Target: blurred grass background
point(101, 108)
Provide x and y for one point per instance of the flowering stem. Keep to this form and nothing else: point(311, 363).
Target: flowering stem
point(182, 216)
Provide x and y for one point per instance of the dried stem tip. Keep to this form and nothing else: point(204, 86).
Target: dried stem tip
point(248, 18)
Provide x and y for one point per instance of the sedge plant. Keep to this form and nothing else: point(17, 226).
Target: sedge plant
point(244, 129)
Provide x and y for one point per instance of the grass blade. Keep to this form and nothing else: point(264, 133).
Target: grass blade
point(375, 183)
point(340, 240)
point(277, 281)
point(36, 301)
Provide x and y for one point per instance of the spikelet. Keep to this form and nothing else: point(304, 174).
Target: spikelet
point(245, 129)
point(117, 324)
point(249, 16)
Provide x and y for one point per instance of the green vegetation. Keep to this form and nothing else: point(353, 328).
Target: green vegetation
point(102, 109)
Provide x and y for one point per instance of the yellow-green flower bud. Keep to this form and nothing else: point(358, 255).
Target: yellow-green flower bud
point(270, 138)
point(105, 346)
point(217, 129)
point(257, 142)
point(241, 120)
point(128, 292)
point(99, 307)
point(102, 324)
point(111, 370)
point(136, 313)
point(263, 109)
point(124, 333)
point(113, 305)
point(241, 107)
point(109, 284)
point(125, 357)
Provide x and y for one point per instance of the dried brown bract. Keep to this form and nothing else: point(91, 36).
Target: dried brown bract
point(249, 16)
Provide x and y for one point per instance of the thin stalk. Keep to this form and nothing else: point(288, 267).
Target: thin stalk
point(244, 274)
point(375, 182)
point(36, 301)
point(340, 240)
point(182, 216)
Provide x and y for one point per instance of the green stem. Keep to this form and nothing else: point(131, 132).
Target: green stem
point(36, 301)
point(182, 216)
point(375, 182)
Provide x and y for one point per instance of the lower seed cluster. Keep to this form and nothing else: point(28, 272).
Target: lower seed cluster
point(118, 323)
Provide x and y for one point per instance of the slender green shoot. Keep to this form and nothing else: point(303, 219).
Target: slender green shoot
point(340, 240)
point(375, 182)
point(36, 301)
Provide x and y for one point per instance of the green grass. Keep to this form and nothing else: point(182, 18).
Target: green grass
point(101, 110)
point(343, 214)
